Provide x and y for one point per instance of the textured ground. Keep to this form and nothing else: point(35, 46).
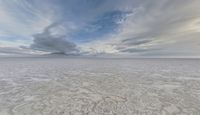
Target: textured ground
point(41, 86)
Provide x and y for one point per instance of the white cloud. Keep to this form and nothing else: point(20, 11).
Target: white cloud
point(21, 18)
point(165, 24)
point(152, 27)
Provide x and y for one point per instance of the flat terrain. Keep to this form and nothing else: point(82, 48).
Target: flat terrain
point(59, 86)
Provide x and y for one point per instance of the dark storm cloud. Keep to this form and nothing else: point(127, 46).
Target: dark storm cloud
point(48, 42)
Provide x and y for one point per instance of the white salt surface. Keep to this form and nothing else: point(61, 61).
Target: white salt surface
point(58, 86)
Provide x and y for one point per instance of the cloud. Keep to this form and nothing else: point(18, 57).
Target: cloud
point(30, 18)
point(142, 27)
point(11, 50)
point(18, 51)
point(156, 26)
point(53, 43)
point(102, 25)
point(135, 42)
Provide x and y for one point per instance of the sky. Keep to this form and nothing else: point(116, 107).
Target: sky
point(146, 28)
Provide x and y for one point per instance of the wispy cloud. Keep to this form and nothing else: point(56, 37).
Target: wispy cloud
point(128, 27)
point(154, 25)
point(22, 18)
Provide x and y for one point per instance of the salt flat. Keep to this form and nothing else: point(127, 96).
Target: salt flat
point(89, 86)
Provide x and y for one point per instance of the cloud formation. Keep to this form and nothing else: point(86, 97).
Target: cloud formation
point(48, 42)
point(116, 27)
point(157, 27)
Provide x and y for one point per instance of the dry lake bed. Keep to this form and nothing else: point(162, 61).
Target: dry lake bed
point(89, 86)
